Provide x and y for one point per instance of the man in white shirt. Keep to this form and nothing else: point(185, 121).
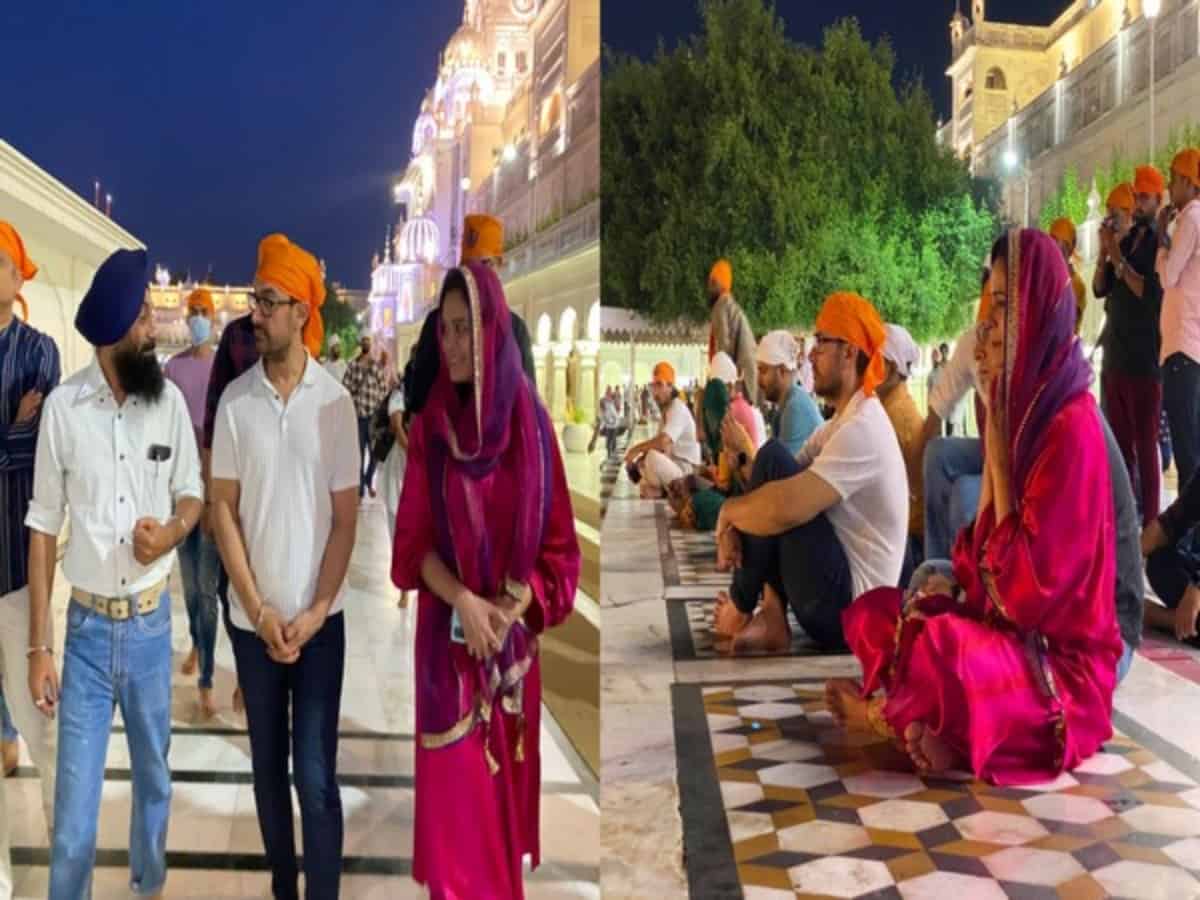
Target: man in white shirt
point(335, 365)
point(953, 466)
point(284, 473)
point(116, 451)
point(674, 452)
point(818, 531)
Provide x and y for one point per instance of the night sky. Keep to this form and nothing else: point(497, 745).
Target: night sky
point(215, 123)
point(919, 29)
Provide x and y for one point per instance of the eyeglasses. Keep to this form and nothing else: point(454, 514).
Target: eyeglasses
point(267, 305)
point(821, 340)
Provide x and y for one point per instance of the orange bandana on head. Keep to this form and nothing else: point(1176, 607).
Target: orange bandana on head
point(985, 303)
point(1121, 197)
point(483, 238)
point(1187, 164)
point(853, 319)
point(201, 299)
point(665, 373)
point(14, 248)
point(722, 274)
point(1148, 180)
point(1064, 230)
point(297, 273)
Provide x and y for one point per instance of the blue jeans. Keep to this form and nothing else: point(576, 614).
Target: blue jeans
point(107, 664)
point(8, 731)
point(1181, 400)
point(1125, 663)
point(312, 687)
point(199, 564)
point(953, 481)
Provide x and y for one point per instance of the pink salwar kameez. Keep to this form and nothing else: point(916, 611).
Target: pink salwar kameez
point(1016, 674)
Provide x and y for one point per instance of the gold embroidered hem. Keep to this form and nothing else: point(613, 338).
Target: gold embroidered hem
point(879, 722)
point(434, 741)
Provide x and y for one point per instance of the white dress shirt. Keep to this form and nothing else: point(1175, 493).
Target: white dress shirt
point(93, 462)
point(1179, 271)
point(956, 378)
point(289, 459)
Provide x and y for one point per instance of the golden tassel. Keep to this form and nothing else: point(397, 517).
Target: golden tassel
point(520, 754)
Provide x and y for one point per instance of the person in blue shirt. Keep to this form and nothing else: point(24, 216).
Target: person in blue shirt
point(798, 416)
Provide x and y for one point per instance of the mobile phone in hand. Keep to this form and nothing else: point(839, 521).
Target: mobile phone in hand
point(457, 635)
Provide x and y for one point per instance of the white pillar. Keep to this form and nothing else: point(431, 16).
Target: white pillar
point(558, 393)
point(540, 352)
point(586, 394)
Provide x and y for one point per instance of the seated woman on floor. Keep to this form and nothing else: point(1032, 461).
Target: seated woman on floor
point(1012, 675)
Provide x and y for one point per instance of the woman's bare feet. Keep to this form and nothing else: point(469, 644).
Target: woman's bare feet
point(929, 753)
point(768, 630)
point(728, 620)
point(192, 663)
point(208, 703)
point(846, 704)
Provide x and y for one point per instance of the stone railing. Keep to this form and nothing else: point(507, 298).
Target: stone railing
point(576, 232)
point(1115, 75)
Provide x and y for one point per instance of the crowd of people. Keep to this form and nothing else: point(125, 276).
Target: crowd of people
point(250, 463)
point(993, 587)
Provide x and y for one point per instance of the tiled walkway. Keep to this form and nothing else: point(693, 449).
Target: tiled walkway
point(214, 846)
point(778, 802)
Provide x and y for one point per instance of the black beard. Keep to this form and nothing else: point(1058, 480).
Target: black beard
point(139, 373)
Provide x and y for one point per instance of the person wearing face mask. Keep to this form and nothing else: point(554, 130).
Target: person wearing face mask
point(199, 562)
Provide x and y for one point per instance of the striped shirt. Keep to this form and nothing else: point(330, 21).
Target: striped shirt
point(28, 362)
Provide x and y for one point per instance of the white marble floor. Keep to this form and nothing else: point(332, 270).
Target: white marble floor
point(214, 846)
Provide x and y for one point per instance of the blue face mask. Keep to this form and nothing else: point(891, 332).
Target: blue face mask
point(200, 328)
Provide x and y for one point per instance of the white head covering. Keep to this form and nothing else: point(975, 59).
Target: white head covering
point(779, 348)
point(722, 367)
point(901, 349)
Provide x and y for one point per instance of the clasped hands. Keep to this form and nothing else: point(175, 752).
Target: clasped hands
point(486, 624)
point(285, 640)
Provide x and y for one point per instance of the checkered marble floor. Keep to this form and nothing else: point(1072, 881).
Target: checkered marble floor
point(808, 809)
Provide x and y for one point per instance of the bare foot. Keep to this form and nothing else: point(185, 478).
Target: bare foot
point(728, 620)
point(239, 702)
point(729, 550)
point(928, 751)
point(768, 630)
point(403, 604)
point(191, 663)
point(208, 703)
point(846, 704)
point(371, 491)
point(11, 752)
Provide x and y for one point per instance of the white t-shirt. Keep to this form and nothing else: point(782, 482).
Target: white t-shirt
point(336, 368)
point(858, 455)
point(956, 379)
point(288, 460)
point(681, 427)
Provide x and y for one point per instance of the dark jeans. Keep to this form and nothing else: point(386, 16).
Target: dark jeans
point(1181, 399)
point(914, 555)
point(1133, 407)
point(312, 687)
point(1171, 570)
point(806, 566)
point(366, 459)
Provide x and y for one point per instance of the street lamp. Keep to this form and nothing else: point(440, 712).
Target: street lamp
point(1152, 8)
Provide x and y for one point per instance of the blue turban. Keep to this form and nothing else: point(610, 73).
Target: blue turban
point(114, 301)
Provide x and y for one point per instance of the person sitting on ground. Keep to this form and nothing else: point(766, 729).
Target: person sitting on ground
point(1011, 675)
point(1174, 568)
point(672, 453)
point(797, 417)
point(815, 532)
point(952, 467)
point(900, 354)
point(1063, 232)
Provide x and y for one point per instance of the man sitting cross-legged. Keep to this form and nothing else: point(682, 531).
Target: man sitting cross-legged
point(672, 453)
point(819, 530)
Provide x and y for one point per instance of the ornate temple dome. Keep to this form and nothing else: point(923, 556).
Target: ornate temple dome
point(467, 50)
point(419, 241)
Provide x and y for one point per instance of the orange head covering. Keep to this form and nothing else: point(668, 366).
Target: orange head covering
point(483, 238)
point(1121, 197)
point(854, 320)
point(1148, 180)
point(722, 274)
point(200, 298)
point(1187, 164)
point(297, 273)
point(664, 372)
point(1064, 230)
point(14, 248)
point(985, 302)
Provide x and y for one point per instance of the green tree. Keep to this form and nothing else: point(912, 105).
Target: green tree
point(808, 168)
point(340, 319)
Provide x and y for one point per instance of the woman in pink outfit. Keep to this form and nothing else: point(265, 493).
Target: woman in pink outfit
point(485, 533)
point(1010, 671)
